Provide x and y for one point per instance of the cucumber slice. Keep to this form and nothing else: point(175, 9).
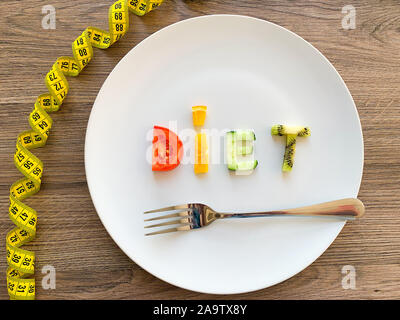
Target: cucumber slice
point(240, 142)
point(231, 150)
point(245, 148)
point(245, 135)
point(247, 165)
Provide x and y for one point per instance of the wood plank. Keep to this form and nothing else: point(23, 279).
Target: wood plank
point(368, 60)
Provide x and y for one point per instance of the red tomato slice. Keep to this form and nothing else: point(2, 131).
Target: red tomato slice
point(167, 149)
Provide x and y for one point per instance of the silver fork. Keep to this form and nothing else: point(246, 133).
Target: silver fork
point(196, 215)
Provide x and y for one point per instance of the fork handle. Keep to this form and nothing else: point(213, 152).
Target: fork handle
point(345, 208)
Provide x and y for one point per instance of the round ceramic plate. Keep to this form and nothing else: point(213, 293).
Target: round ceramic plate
point(250, 73)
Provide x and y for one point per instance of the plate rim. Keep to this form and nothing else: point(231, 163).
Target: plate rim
point(142, 42)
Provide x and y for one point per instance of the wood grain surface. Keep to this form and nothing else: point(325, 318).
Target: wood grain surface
point(70, 235)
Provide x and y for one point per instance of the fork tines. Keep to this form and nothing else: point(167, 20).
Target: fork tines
point(182, 206)
point(181, 211)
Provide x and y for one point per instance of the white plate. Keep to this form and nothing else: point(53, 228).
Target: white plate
point(251, 74)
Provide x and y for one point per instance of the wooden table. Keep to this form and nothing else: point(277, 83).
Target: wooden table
point(70, 235)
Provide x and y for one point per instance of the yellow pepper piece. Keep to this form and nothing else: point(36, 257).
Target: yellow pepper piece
point(199, 115)
point(201, 153)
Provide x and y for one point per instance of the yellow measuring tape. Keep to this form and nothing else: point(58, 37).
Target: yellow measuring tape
point(22, 262)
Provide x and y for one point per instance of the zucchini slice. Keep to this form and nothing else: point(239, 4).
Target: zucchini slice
point(239, 144)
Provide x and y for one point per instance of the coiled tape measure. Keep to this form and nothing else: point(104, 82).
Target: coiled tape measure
point(21, 263)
